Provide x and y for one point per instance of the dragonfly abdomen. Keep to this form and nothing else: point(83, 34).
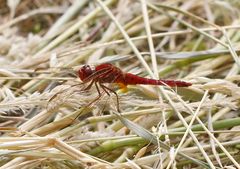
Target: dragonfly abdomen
point(131, 79)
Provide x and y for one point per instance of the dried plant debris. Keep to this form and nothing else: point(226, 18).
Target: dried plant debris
point(49, 118)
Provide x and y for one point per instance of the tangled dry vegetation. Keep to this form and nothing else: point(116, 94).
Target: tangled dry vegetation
point(47, 121)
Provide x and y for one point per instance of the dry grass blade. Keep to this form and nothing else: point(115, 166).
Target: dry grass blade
point(126, 36)
point(140, 131)
point(68, 15)
point(30, 14)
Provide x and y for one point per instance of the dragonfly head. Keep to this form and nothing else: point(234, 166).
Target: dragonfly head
point(85, 71)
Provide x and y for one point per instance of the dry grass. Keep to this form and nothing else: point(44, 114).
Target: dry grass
point(47, 121)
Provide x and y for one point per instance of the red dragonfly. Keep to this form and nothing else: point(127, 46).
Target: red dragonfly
point(108, 73)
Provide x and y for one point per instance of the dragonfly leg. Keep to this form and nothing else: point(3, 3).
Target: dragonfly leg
point(90, 85)
point(98, 90)
point(99, 93)
point(92, 102)
point(105, 88)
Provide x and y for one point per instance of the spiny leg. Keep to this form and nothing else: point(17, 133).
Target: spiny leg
point(116, 75)
point(105, 88)
point(97, 87)
point(96, 99)
point(90, 85)
point(98, 90)
point(92, 102)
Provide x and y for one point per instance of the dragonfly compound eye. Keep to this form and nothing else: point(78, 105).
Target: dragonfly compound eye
point(85, 71)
